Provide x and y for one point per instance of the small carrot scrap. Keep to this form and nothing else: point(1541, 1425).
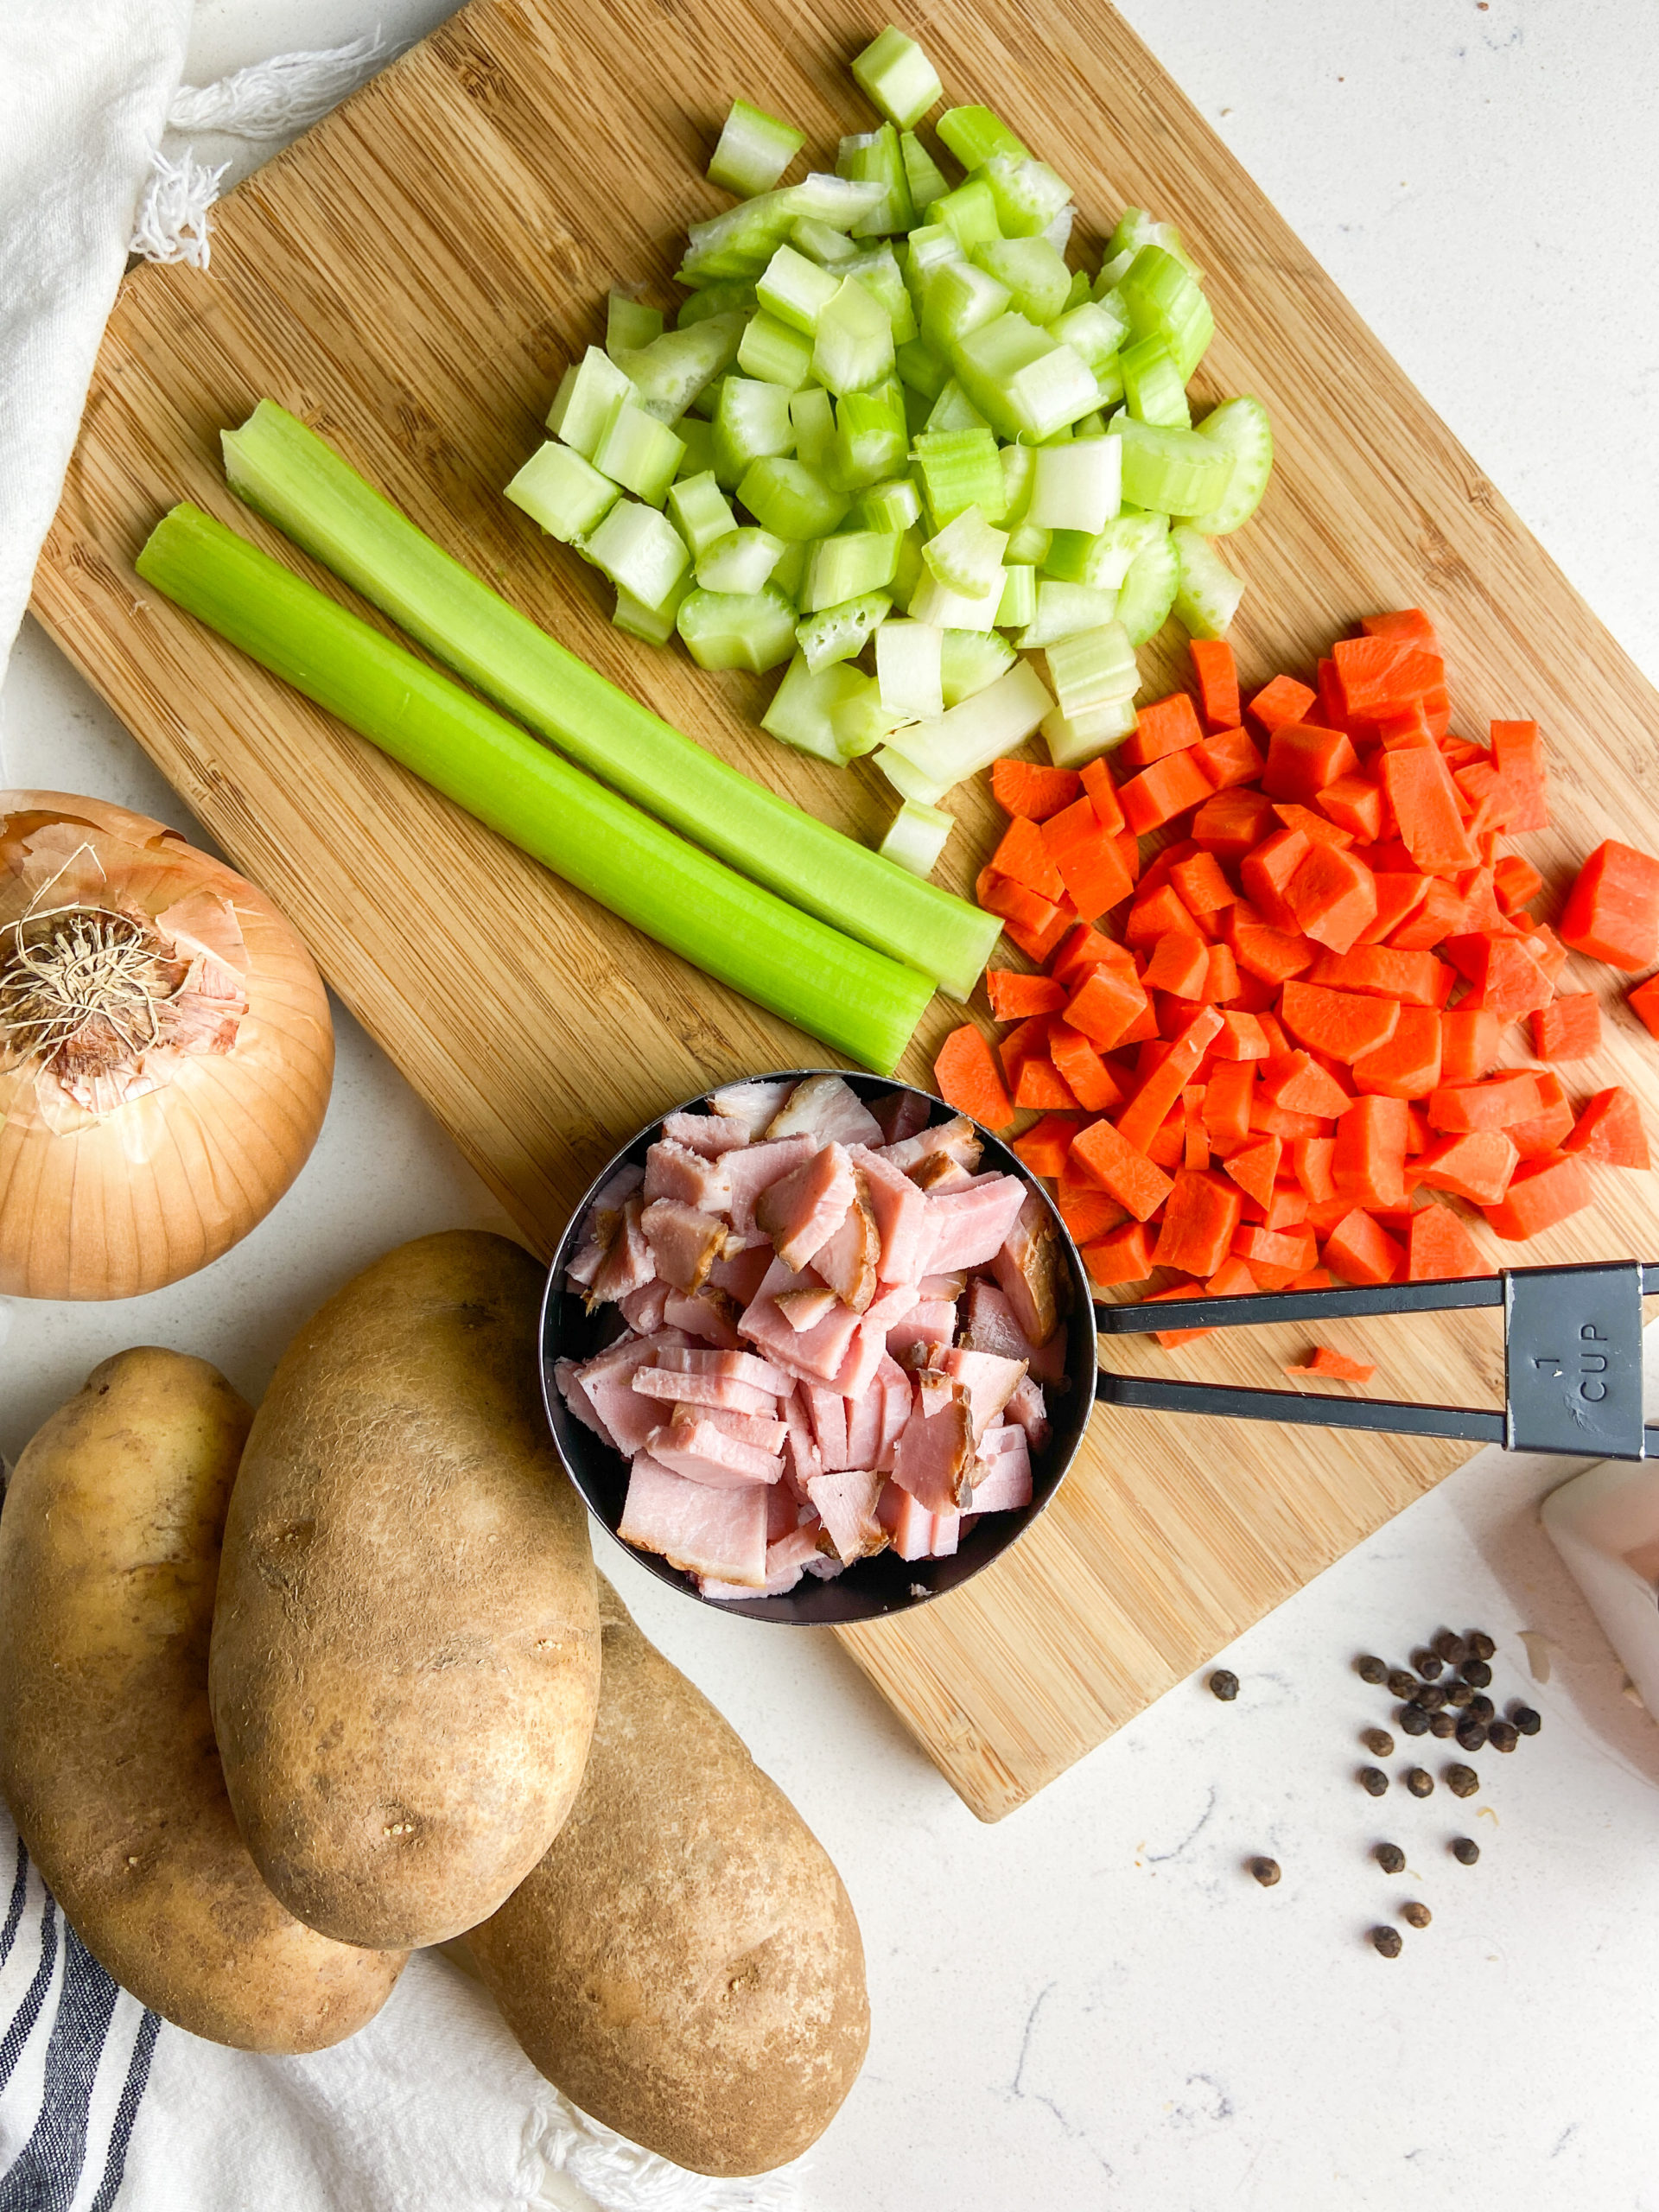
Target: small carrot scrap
point(1217, 678)
point(1015, 996)
point(1086, 860)
point(1102, 795)
point(1567, 1028)
point(1042, 1086)
point(1644, 1002)
point(1341, 1023)
point(1302, 759)
point(1439, 1248)
point(1425, 801)
point(1408, 1066)
point(1093, 1085)
point(1045, 1147)
point(1610, 1129)
point(1032, 790)
point(1284, 700)
point(1157, 794)
point(1612, 910)
point(1023, 857)
point(1334, 1366)
point(1200, 1218)
point(1229, 825)
point(1544, 1192)
point(1470, 1037)
point(1166, 726)
point(1360, 1250)
point(1121, 1168)
point(1122, 1255)
point(966, 1077)
point(1478, 1166)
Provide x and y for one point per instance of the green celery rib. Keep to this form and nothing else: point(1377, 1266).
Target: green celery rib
point(290, 474)
point(856, 999)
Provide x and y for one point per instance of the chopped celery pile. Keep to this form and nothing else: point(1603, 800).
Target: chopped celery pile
point(894, 436)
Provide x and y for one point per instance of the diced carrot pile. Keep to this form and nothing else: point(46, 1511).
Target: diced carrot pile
point(1267, 1054)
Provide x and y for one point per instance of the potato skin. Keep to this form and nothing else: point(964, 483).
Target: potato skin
point(684, 1963)
point(405, 1654)
point(109, 1552)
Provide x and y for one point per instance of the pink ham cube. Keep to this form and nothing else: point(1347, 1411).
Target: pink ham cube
point(703, 1453)
point(1029, 1269)
point(947, 1533)
point(802, 1458)
point(628, 1263)
point(827, 1409)
point(900, 1114)
point(934, 1459)
point(827, 1109)
point(567, 1384)
point(645, 1309)
point(804, 1309)
point(672, 1386)
point(741, 1274)
point(864, 1428)
point(929, 1322)
point(783, 1510)
point(674, 1170)
point(802, 1210)
point(722, 1533)
point(900, 1213)
point(607, 1380)
point(847, 1505)
point(908, 1524)
point(752, 1105)
point(684, 1243)
point(712, 1134)
point(759, 1431)
point(738, 1366)
point(707, 1314)
point(1027, 1410)
point(953, 1140)
point(816, 1354)
point(756, 1170)
point(989, 1380)
point(1002, 1478)
point(971, 1226)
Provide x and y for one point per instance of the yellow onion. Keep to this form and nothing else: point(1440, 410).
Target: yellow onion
point(165, 1052)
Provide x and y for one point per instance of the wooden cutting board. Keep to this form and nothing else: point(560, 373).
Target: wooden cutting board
point(411, 277)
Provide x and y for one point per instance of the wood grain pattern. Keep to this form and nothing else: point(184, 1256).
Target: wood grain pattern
point(410, 278)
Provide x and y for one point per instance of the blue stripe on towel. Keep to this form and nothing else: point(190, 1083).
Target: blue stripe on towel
point(47, 2173)
point(11, 2043)
point(115, 2161)
point(15, 1909)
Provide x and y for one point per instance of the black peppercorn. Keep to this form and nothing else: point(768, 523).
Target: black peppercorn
point(1451, 1647)
point(1373, 1780)
point(1465, 1851)
point(1480, 1644)
point(1429, 1664)
point(1388, 1941)
point(1503, 1735)
point(1389, 1858)
point(1481, 1705)
point(1266, 1871)
point(1430, 1696)
point(1459, 1694)
point(1402, 1682)
point(1224, 1684)
point(1378, 1740)
point(1371, 1669)
point(1413, 1720)
point(1462, 1781)
point(1442, 1724)
point(1475, 1673)
point(1417, 1916)
point(1472, 1733)
point(1526, 1720)
point(1420, 1781)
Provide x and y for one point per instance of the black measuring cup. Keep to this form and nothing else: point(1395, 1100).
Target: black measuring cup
point(1573, 1345)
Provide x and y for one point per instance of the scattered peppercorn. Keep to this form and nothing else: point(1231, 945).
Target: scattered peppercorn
point(1462, 1781)
point(1503, 1735)
point(1420, 1781)
point(1413, 1719)
point(1373, 1780)
point(1465, 1851)
point(1430, 1696)
point(1389, 1858)
point(1442, 1724)
point(1401, 1682)
point(1378, 1740)
point(1451, 1647)
point(1480, 1644)
point(1371, 1669)
point(1224, 1684)
point(1266, 1871)
point(1416, 1915)
point(1388, 1941)
point(1429, 1664)
point(1526, 1720)
point(1481, 1705)
point(1472, 1733)
point(1459, 1694)
point(1475, 1673)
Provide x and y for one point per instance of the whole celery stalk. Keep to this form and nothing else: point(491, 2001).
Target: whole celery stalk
point(292, 476)
point(858, 1001)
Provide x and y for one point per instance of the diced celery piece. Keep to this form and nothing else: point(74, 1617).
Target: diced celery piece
point(821, 245)
point(871, 439)
point(916, 836)
point(920, 369)
point(1077, 487)
point(774, 354)
point(1027, 194)
point(803, 704)
point(932, 602)
point(1018, 604)
point(1111, 303)
point(909, 781)
point(852, 347)
point(752, 630)
point(968, 738)
point(899, 78)
point(751, 422)
point(873, 157)
point(878, 271)
point(930, 246)
point(954, 410)
point(987, 360)
point(794, 289)
point(698, 439)
point(1090, 331)
point(893, 506)
point(960, 299)
point(701, 512)
point(1136, 229)
point(1164, 300)
point(707, 402)
point(1148, 590)
point(791, 571)
point(1113, 270)
point(974, 134)
point(562, 492)
point(1035, 278)
point(581, 407)
point(1089, 426)
point(1063, 437)
point(1207, 593)
point(966, 555)
point(790, 500)
point(910, 571)
point(653, 623)
point(1080, 292)
point(813, 414)
point(742, 561)
point(916, 411)
point(1152, 386)
point(1052, 392)
point(859, 720)
point(961, 469)
point(1240, 428)
point(842, 202)
point(970, 660)
point(1073, 740)
point(846, 566)
point(1092, 668)
point(1028, 545)
point(1058, 231)
point(732, 297)
point(668, 374)
point(909, 668)
point(1070, 552)
point(926, 180)
point(739, 243)
point(1019, 474)
point(754, 151)
point(1103, 561)
point(639, 551)
point(638, 452)
point(969, 214)
point(1063, 610)
point(1171, 472)
point(841, 631)
point(630, 323)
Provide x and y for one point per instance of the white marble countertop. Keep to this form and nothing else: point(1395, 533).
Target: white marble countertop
point(1092, 2004)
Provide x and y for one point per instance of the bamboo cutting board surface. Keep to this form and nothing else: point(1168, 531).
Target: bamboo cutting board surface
point(411, 278)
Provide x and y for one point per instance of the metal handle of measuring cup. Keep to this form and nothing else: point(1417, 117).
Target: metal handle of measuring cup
point(1572, 1359)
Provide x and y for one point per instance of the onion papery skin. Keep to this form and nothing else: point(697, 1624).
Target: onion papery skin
point(147, 1193)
